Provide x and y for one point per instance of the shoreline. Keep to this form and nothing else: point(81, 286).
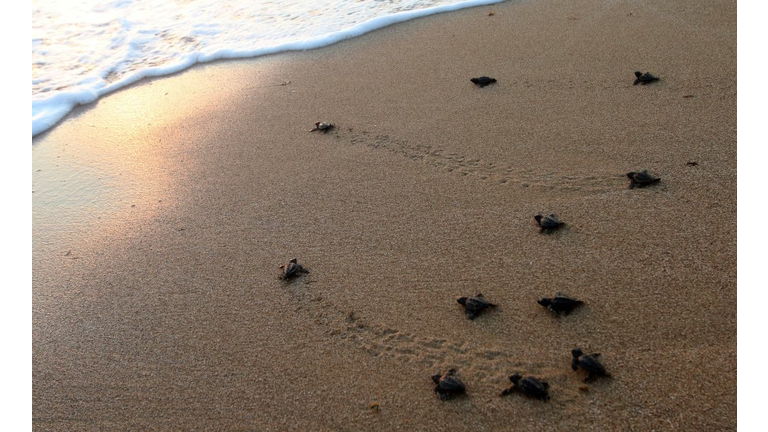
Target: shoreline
point(316, 42)
point(161, 213)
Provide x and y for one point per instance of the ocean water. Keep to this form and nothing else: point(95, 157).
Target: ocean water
point(83, 50)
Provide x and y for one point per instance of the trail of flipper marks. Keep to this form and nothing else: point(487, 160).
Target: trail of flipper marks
point(468, 166)
point(487, 365)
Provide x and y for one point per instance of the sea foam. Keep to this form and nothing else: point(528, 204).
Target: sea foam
point(82, 51)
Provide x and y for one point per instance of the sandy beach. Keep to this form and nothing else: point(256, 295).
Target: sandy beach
point(162, 212)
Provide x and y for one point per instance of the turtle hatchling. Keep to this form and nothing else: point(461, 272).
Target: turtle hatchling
point(292, 269)
point(473, 306)
point(548, 223)
point(529, 386)
point(560, 303)
point(322, 127)
point(483, 81)
point(644, 78)
point(641, 179)
point(447, 385)
point(589, 363)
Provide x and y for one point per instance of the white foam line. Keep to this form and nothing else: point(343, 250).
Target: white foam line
point(48, 112)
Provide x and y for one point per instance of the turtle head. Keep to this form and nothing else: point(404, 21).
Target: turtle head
point(545, 302)
point(538, 217)
point(294, 261)
point(515, 378)
point(638, 74)
point(631, 174)
point(462, 300)
point(436, 378)
point(577, 352)
point(451, 372)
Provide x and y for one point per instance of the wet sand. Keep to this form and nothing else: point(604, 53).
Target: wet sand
point(161, 214)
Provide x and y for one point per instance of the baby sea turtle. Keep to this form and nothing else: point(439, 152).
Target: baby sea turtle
point(447, 385)
point(589, 363)
point(529, 386)
point(560, 303)
point(292, 269)
point(322, 127)
point(473, 306)
point(641, 179)
point(548, 223)
point(644, 78)
point(483, 81)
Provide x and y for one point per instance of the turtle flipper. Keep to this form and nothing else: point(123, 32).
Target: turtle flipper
point(471, 315)
point(443, 396)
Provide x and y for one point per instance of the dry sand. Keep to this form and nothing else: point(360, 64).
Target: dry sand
point(161, 213)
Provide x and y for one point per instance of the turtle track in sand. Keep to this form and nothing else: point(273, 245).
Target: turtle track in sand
point(465, 165)
point(487, 365)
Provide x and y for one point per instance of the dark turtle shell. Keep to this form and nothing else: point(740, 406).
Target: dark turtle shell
point(640, 179)
point(548, 223)
point(292, 269)
point(322, 127)
point(483, 81)
point(473, 306)
point(529, 386)
point(560, 303)
point(448, 385)
point(588, 363)
point(644, 78)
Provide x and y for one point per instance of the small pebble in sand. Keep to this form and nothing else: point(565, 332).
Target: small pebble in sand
point(560, 303)
point(448, 386)
point(292, 269)
point(548, 223)
point(644, 78)
point(491, 13)
point(375, 407)
point(588, 363)
point(483, 81)
point(529, 386)
point(473, 306)
point(693, 163)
